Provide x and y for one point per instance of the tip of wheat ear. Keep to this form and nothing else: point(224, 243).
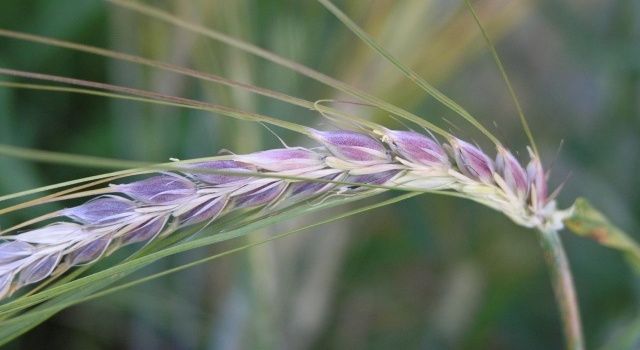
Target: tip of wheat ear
point(139, 211)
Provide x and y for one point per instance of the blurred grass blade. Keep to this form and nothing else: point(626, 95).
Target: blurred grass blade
point(89, 179)
point(505, 77)
point(154, 64)
point(625, 338)
point(269, 56)
point(68, 159)
point(175, 69)
point(586, 221)
point(408, 72)
point(223, 110)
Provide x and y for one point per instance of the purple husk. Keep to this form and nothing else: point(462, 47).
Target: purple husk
point(146, 231)
point(102, 210)
point(160, 190)
point(260, 196)
point(283, 159)
point(472, 161)
point(39, 269)
point(225, 165)
point(206, 211)
point(16, 250)
point(512, 172)
point(90, 252)
point(371, 179)
point(305, 189)
point(353, 146)
point(538, 179)
point(417, 148)
point(5, 283)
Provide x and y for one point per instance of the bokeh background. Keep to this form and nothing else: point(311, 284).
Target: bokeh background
point(428, 273)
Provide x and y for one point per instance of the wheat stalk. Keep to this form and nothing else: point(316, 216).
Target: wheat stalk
point(348, 163)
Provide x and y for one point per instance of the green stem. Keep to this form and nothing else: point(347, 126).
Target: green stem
point(563, 288)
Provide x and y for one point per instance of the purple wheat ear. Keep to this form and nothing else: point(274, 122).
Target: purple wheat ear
point(141, 210)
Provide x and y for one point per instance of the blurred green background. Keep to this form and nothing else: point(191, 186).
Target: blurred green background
point(428, 273)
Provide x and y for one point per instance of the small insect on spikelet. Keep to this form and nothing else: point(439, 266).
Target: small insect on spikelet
point(356, 162)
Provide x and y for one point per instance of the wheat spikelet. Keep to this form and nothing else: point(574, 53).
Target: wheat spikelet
point(142, 210)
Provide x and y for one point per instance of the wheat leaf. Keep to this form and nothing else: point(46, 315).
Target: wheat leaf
point(587, 221)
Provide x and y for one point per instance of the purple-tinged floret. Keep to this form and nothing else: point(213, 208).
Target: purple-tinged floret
point(206, 211)
point(306, 189)
point(39, 269)
point(159, 190)
point(283, 159)
point(222, 165)
point(5, 283)
point(90, 252)
point(54, 234)
point(471, 161)
point(16, 250)
point(372, 179)
point(416, 148)
point(260, 196)
point(102, 210)
point(538, 180)
point(352, 146)
point(145, 231)
point(512, 172)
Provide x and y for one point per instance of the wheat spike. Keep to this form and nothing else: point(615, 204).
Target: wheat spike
point(142, 210)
